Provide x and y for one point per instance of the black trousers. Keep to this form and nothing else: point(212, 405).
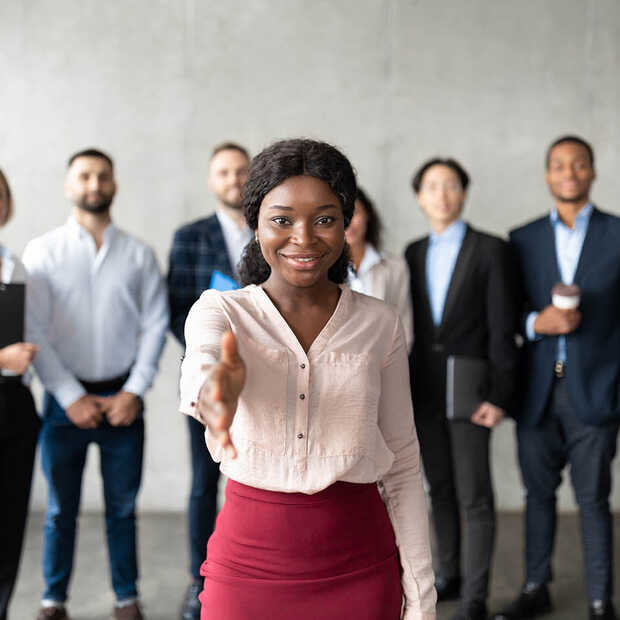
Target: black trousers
point(544, 450)
point(203, 496)
point(455, 456)
point(19, 428)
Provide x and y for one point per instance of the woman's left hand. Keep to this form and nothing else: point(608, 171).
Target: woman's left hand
point(488, 415)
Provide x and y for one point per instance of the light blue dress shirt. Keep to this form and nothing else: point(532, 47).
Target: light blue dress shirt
point(568, 246)
point(443, 250)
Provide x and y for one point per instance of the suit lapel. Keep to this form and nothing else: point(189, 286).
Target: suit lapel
point(549, 257)
point(421, 277)
point(592, 245)
point(462, 269)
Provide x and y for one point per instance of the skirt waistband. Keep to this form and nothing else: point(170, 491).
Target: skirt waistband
point(338, 490)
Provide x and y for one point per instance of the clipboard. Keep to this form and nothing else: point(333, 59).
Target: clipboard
point(467, 385)
point(12, 310)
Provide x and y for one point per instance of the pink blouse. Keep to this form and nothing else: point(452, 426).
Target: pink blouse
point(304, 421)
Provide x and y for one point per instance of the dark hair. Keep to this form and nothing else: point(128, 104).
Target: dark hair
point(271, 167)
point(574, 140)
point(91, 153)
point(374, 226)
point(416, 181)
point(9, 198)
point(229, 146)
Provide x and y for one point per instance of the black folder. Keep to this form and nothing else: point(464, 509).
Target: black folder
point(467, 386)
point(12, 307)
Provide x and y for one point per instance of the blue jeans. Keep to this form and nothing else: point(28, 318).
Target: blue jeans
point(63, 456)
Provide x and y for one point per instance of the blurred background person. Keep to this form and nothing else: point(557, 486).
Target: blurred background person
point(19, 426)
point(377, 273)
point(462, 287)
point(204, 255)
point(570, 410)
point(100, 299)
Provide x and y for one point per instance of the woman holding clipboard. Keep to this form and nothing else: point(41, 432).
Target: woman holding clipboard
point(303, 387)
point(19, 422)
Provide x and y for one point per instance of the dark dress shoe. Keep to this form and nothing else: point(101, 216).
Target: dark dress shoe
point(475, 610)
point(602, 610)
point(448, 589)
point(52, 613)
point(531, 603)
point(191, 605)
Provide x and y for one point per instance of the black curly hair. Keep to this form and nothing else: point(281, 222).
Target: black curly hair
point(271, 167)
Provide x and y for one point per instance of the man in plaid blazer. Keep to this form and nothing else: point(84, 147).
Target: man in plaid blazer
point(204, 255)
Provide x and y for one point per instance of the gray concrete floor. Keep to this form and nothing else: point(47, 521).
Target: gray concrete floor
point(163, 562)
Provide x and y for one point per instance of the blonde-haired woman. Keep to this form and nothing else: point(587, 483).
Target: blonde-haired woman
point(19, 426)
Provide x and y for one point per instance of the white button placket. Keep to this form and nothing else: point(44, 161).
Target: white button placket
point(301, 414)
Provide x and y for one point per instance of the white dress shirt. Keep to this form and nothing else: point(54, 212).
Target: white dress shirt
point(103, 312)
point(235, 238)
point(386, 277)
point(340, 411)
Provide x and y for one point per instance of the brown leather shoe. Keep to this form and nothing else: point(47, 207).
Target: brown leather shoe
point(128, 612)
point(52, 613)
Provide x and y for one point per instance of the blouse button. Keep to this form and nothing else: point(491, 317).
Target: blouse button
point(302, 396)
point(302, 365)
point(300, 436)
point(192, 404)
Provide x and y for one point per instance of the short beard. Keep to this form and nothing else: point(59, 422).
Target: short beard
point(232, 205)
point(572, 199)
point(96, 209)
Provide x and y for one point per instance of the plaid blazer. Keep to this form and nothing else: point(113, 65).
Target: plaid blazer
point(198, 249)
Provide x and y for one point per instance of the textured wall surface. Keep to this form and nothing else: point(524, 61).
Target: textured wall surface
point(392, 82)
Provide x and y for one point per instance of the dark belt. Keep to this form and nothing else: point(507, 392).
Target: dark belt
point(108, 385)
point(559, 369)
point(10, 379)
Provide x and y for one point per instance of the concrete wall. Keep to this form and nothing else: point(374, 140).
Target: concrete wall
point(157, 83)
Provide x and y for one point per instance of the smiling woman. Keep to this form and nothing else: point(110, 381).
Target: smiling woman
point(293, 163)
point(303, 388)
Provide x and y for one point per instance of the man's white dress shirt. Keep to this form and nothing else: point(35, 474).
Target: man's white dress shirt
point(235, 238)
point(103, 312)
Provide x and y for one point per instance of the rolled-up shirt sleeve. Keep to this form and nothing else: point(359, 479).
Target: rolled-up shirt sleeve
point(153, 327)
point(403, 487)
point(54, 375)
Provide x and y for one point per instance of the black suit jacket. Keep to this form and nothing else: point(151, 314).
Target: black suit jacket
point(198, 249)
point(593, 350)
point(479, 320)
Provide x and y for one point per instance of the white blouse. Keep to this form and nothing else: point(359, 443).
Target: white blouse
point(304, 421)
point(386, 277)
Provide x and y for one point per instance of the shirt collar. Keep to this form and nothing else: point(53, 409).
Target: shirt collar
point(371, 258)
point(453, 234)
point(229, 224)
point(582, 217)
point(81, 232)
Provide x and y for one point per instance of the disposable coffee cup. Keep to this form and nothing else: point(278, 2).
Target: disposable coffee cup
point(565, 296)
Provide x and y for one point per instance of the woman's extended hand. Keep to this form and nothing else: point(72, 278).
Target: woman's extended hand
point(219, 394)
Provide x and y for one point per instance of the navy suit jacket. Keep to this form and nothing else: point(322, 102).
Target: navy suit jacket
point(198, 249)
point(593, 349)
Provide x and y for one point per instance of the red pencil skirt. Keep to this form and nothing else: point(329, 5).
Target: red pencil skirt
point(291, 556)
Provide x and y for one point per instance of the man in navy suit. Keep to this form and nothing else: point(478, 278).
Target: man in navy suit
point(204, 255)
point(570, 411)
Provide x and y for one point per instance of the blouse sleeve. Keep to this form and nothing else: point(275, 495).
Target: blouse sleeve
point(403, 488)
point(204, 327)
